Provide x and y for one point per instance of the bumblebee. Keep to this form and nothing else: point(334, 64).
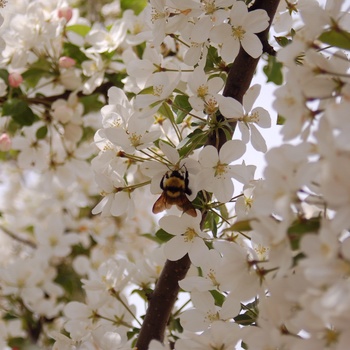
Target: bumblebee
point(175, 188)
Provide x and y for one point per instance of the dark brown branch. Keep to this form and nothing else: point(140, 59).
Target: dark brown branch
point(243, 69)
point(165, 293)
point(162, 301)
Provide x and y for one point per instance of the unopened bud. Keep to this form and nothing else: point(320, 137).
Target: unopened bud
point(65, 12)
point(15, 79)
point(5, 142)
point(66, 62)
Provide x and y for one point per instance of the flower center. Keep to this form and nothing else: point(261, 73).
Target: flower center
point(202, 90)
point(250, 118)
point(135, 139)
point(211, 106)
point(156, 15)
point(238, 32)
point(220, 170)
point(209, 6)
point(211, 317)
point(190, 234)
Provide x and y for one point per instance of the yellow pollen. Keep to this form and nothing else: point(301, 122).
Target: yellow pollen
point(135, 139)
point(211, 106)
point(212, 317)
point(238, 32)
point(331, 337)
point(261, 251)
point(202, 90)
point(254, 117)
point(290, 101)
point(220, 169)
point(212, 277)
point(248, 201)
point(209, 6)
point(53, 241)
point(190, 234)
point(156, 15)
point(137, 28)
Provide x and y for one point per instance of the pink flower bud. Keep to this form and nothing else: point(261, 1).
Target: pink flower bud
point(65, 12)
point(5, 142)
point(66, 62)
point(15, 79)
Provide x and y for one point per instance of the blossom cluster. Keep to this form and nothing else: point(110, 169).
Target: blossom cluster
point(102, 119)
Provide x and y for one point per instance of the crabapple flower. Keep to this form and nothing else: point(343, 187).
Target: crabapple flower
point(210, 265)
point(33, 152)
point(241, 30)
point(188, 237)
point(106, 41)
point(135, 135)
point(111, 274)
point(156, 345)
point(5, 142)
point(66, 62)
point(65, 12)
point(52, 239)
point(204, 313)
point(116, 201)
point(235, 272)
point(216, 173)
point(95, 70)
point(215, 12)
point(163, 86)
point(15, 79)
point(247, 117)
point(159, 16)
point(220, 335)
point(202, 89)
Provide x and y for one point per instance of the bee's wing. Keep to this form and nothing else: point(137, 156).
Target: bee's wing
point(186, 206)
point(160, 204)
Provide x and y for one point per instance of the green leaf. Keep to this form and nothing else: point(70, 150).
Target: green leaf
point(19, 111)
point(273, 71)
point(336, 37)
point(136, 5)
point(91, 103)
point(41, 132)
point(244, 319)
point(132, 333)
point(194, 140)
point(213, 59)
point(74, 51)
point(163, 236)
point(182, 102)
point(240, 226)
point(79, 29)
point(39, 69)
point(166, 111)
point(244, 345)
point(211, 222)
point(280, 120)
point(4, 74)
point(218, 297)
point(301, 227)
point(282, 40)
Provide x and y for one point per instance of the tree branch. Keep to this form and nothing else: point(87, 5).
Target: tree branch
point(166, 290)
point(162, 301)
